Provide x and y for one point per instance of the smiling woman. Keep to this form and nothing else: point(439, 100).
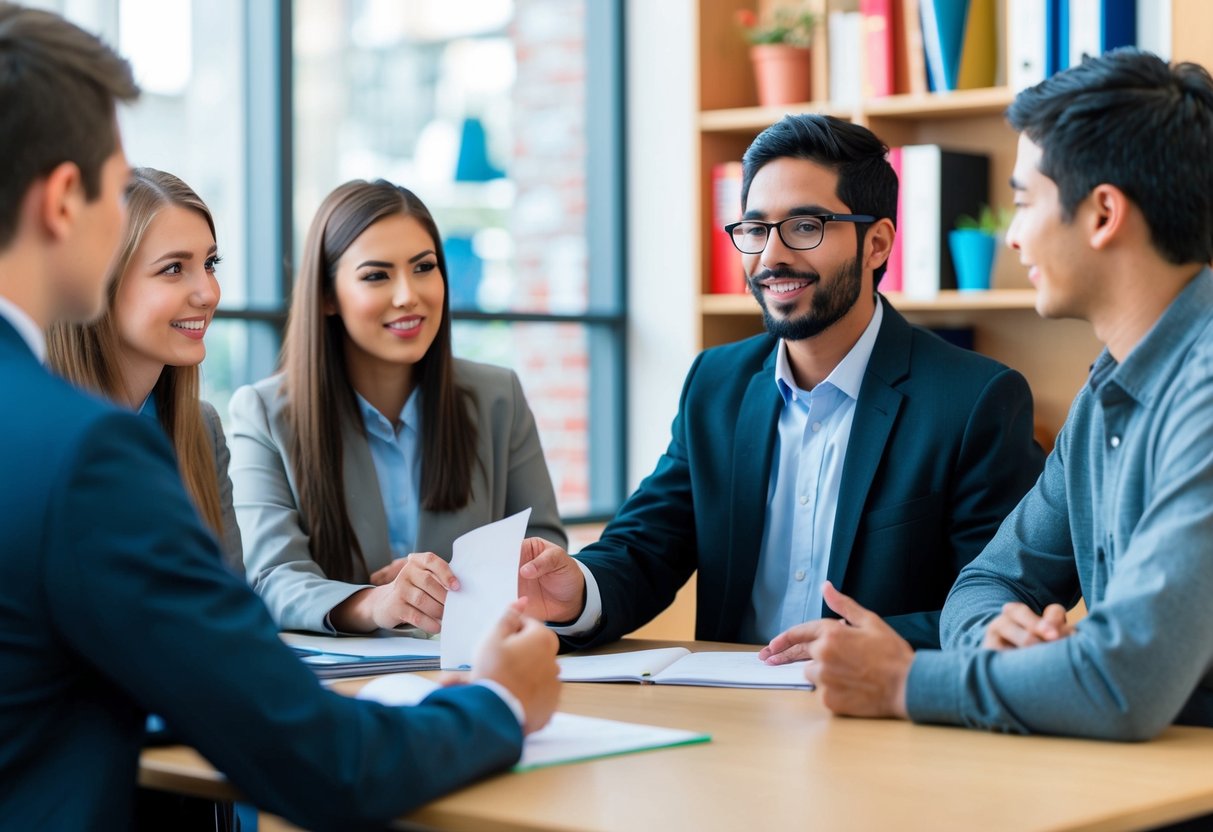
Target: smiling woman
point(145, 349)
point(358, 466)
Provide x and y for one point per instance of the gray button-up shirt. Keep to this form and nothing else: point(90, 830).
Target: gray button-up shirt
point(1123, 515)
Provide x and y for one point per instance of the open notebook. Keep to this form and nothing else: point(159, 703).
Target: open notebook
point(337, 657)
point(679, 666)
point(568, 738)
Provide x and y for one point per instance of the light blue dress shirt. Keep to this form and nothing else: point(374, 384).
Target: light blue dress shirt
point(398, 466)
point(802, 496)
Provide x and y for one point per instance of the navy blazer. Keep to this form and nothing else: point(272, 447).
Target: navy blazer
point(114, 602)
point(941, 450)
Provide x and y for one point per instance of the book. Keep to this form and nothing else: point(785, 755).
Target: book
point(728, 276)
point(846, 58)
point(1028, 46)
point(1099, 25)
point(979, 49)
point(679, 666)
point(878, 78)
point(339, 657)
point(894, 268)
point(943, 31)
point(939, 185)
point(568, 738)
point(910, 59)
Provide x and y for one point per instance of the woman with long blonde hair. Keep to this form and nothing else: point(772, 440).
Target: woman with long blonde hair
point(144, 351)
point(357, 467)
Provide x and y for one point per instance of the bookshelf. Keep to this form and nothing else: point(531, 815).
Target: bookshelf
point(1052, 355)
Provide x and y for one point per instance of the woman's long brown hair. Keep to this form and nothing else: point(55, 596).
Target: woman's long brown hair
point(319, 395)
point(87, 354)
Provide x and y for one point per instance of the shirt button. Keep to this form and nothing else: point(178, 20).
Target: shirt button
point(804, 499)
point(1115, 442)
point(800, 574)
point(816, 427)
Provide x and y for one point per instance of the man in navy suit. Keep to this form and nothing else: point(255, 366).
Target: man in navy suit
point(113, 598)
point(844, 444)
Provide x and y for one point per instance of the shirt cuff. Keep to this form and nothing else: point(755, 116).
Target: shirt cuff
point(932, 690)
point(592, 614)
point(508, 698)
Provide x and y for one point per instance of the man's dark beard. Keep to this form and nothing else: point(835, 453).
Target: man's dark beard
point(831, 301)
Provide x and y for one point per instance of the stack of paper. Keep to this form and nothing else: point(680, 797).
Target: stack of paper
point(337, 657)
point(568, 738)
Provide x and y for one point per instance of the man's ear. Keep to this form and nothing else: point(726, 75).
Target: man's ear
point(877, 244)
point(1109, 207)
point(60, 200)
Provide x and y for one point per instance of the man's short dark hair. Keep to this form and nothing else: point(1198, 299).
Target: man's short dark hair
point(58, 88)
point(1128, 119)
point(866, 181)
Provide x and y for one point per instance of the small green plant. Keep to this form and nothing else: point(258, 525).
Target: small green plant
point(989, 220)
point(788, 25)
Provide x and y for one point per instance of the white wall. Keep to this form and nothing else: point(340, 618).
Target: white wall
point(662, 148)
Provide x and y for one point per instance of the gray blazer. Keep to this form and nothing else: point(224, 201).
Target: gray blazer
point(511, 475)
point(232, 554)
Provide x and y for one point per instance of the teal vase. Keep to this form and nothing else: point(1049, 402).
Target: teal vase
point(973, 256)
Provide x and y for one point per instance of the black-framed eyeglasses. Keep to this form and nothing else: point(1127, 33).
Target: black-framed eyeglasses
point(801, 233)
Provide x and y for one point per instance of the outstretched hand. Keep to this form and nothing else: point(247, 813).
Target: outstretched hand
point(860, 664)
point(551, 580)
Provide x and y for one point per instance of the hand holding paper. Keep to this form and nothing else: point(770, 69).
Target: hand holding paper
point(485, 560)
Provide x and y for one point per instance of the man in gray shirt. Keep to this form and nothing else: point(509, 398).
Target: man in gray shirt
point(1114, 218)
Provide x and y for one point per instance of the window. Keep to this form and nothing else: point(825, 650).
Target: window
point(504, 116)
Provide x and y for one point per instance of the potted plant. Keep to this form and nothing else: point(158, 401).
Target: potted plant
point(779, 50)
point(974, 244)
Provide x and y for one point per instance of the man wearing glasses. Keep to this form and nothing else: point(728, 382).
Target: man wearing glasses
point(842, 445)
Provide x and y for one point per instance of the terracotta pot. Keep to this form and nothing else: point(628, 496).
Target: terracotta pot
point(782, 73)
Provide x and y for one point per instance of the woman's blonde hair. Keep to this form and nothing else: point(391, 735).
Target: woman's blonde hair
point(87, 354)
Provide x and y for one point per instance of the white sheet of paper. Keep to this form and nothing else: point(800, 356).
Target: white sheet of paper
point(485, 560)
point(567, 738)
point(636, 665)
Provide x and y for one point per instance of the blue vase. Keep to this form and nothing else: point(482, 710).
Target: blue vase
point(973, 256)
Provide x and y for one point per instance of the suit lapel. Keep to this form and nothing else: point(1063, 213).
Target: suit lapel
point(875, 414)
point(363, 498)
point(753, 450)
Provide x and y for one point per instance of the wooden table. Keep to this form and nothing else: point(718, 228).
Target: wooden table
point(779, 760)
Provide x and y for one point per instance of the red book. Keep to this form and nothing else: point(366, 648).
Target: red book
point(891, 282)
point(878, 47)
point(727, 274)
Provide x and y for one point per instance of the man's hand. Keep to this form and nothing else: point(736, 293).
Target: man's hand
point(520, 654)
point(551, 580)
point(416, 595)
point(1019, 626)
point(860, 664)
point(792, 645)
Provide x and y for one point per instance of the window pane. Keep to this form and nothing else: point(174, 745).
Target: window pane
point(237, 353)
point(552, 363)
point(476, 105)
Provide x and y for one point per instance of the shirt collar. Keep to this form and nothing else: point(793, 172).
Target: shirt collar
point(1171, 336)
point(26, 327)
point(847, 376)
point(379, 425)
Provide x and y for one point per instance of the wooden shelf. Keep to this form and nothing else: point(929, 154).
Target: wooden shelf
point(945, 301)
point(958, 104)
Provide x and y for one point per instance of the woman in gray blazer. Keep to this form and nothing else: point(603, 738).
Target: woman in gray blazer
point(356, 468)
point(145, 349)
